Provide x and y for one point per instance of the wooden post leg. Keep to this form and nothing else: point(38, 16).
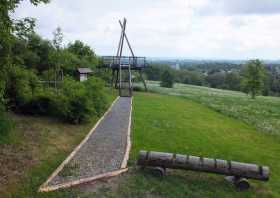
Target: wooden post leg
point(158, 171)
point(239, 182)
point(112, 80)
point(141, 76)
point(117, 79)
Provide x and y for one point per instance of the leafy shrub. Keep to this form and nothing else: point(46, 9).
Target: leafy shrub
point(96, 92)
point(41, 104)
point(72, 103)
point(77, 101)
point(167, 79)
point(20, 86)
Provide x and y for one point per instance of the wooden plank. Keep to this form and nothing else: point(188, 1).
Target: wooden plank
point(82, 181)
point(128, 143)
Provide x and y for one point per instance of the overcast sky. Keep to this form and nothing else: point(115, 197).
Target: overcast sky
point(225, 29)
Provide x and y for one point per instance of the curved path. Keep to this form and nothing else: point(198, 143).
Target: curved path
point(103, 153)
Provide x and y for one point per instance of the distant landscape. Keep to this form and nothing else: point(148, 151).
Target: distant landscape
point(223, 74)
point(193, 61)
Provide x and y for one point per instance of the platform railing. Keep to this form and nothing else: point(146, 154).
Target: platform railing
point(113, 61)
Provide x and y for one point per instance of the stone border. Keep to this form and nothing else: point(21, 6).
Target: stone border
point(45, 188)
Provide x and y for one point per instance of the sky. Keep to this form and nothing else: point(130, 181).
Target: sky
point(218, 29)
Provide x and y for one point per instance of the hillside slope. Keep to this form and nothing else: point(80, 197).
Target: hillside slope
point(262, 113)
point(174, 124)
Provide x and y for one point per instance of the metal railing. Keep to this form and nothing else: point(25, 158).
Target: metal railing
point(113, 61)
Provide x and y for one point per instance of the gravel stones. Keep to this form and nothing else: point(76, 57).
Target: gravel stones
point(104, 150)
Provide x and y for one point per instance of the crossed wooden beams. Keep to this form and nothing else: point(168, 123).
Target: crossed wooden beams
point(124, 38)
point(123, 35)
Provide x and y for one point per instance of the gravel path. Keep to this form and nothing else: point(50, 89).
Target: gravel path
point(104, 150)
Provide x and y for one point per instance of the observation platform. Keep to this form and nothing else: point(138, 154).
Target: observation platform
point(113, 62)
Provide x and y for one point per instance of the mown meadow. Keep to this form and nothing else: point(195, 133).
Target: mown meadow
point(263, 113)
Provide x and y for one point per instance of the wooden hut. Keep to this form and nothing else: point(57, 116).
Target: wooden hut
point(83, 73)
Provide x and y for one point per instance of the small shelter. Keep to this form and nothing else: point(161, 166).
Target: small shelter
point(83, 73)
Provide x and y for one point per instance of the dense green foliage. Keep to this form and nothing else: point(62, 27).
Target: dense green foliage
point(154, 71)
point(167, 79)
point(7, 28)
point(78, 102)
point(217, 75)
point(72, 101)
point(21, 86)
point(253, 77)
point(33, 72)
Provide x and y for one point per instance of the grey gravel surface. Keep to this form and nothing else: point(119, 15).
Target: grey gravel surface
point(105, 149)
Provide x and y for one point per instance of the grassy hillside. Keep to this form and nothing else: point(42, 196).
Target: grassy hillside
point(262, 113)
point(173, 124)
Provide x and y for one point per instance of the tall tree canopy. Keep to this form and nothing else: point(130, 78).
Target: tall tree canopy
point(9, 27)
point(167, 79)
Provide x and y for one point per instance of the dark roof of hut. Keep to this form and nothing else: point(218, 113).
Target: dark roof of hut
point(84, 70)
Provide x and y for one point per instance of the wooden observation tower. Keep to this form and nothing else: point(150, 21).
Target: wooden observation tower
point(122, 66)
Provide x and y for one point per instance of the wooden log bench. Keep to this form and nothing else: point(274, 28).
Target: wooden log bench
point(238, 172)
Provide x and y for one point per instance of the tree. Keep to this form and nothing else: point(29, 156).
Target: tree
point(253, 77)
point(80, 49)
point(232, 81)
point(154, 71)
point(167, 79)
point(84, 53)
point(216, 80)
point(57, 38)
point(7, 28)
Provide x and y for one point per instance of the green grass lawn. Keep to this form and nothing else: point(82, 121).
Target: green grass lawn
point(174, 124)
point(262, 113)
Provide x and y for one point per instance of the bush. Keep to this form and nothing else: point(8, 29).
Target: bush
point(167, 79)
point(96, 92)
point(20, 87)
point(76, 102)
point(73, 101)
point(41, 104)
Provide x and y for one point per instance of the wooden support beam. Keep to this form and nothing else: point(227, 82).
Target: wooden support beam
point(125, 36)
point(117, 79)
point(113, 78)
point(141, 76)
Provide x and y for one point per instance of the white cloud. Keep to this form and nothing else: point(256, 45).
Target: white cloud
point(186, 28)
